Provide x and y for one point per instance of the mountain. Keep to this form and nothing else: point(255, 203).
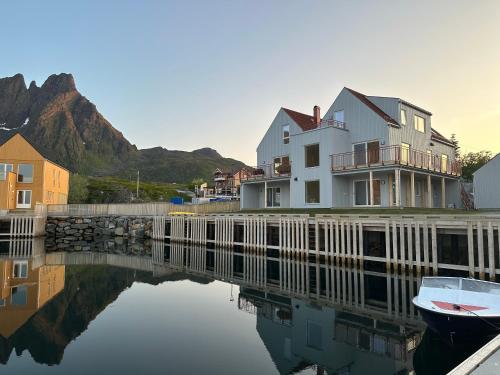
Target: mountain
point(68, 129)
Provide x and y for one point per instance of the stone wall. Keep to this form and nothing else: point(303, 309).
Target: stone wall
point(70, 229)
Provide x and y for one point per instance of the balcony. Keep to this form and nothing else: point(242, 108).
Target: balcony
point(267, 171)
point(396, 155)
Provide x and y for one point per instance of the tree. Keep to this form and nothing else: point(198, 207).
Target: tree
point(472, 161)
point(78, 192)
point(456, 147)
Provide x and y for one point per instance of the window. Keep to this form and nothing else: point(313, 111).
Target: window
point(362, 193)
point(403, 116)
point(444, 163)
point(429, 159)
point(338, 116)
point(366, 152)
point(405, 153)
point(314, 335)
point(419, 124)
point(19, 295)
point(23, 199)
point(312, 191)
point(4, 170)
point(20, 270)
point(25, 173)
point(273, 197)
point(312, 155)
point(286, 134)
point(282, 165)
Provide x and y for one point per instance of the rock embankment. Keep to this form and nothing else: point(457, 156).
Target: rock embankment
point(67, 230)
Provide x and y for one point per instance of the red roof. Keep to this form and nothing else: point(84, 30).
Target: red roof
point(305, 122)
point(438, 137)
point(373, 107)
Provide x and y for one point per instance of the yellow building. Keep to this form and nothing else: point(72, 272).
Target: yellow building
point(24, 290)
point(27, 177)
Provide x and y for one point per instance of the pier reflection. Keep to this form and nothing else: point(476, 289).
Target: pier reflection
point(309, 315)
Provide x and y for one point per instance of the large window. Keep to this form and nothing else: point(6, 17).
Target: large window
point(19, 295)
point(286, 134)
point(25, 173)
point(23, 199)
point(419, 124)
point(444, 163)
point(312, 191)
point(405, 153)
point(20, 270)
point(282, 165)
point(338, 116)
point(403, 116)
point(4, 170)
point(312, 155)
point(362, 193)
point(273, 197)
point(366, 153)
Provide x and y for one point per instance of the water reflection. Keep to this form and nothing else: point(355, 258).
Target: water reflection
point(309, 316)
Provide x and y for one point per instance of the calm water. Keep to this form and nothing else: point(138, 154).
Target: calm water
point(154, 308)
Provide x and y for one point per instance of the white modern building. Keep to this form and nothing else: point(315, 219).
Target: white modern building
point(365, 151)
point(486, 183)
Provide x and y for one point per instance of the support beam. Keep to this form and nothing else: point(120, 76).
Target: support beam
point(412, 188)
point(265, 194)
point(429, 191)
point(371, 188)
point(443, 193)
point(397, 176)
point(391, 198)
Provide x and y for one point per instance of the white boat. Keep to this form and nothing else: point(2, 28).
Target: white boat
point(460, 308)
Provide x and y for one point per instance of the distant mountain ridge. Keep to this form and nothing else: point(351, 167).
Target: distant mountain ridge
point(69, 130)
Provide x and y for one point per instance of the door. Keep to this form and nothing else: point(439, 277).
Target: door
point(23, 199)
point(373, 152)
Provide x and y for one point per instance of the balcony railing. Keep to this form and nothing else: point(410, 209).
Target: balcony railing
point(267, 171)
point(395, 155)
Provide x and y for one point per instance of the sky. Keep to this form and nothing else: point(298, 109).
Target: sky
point(190, 74)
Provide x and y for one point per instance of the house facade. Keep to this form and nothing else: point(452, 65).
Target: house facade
point(27, 177)
point(365, 151)
point(227, 183)
point(486, 181)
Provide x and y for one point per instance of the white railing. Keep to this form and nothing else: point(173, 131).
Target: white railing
point(139, 209)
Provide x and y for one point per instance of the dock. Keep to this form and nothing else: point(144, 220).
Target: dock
point(486, 361)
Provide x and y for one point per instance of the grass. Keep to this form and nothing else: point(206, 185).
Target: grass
point(116, 190)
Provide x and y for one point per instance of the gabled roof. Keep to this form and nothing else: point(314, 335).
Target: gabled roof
point(305, 122)
point(373, 107)
point(43, 153)
point(438, 137)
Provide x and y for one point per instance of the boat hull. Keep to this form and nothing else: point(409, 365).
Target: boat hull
point(458, 328)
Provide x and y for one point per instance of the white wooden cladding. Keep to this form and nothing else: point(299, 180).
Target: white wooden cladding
point(255, 231)
point(224, 230)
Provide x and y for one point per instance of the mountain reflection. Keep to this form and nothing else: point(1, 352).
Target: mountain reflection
point(321, 317)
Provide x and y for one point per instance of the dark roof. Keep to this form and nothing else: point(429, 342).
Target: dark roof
point(438, 137)
point(373, 107)
point(305, 122)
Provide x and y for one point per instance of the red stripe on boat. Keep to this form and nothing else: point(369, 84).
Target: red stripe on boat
point(450, 306)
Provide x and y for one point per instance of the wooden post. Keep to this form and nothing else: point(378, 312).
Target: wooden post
point(480, 249)
point(391, 197)
point(443, 193)
point(371, 188)
point(491, 251)
point(387, 246)
point(470, 246)
point(434, 249)
point(417, 246)
point(426, 247)
point(429, 191)
point(397, 177)
point(395, 245)
point(412, 189)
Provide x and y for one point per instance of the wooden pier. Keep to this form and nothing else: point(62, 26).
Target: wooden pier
point(420, 243)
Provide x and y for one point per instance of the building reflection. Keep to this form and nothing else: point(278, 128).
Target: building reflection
point(26, 283)
point(322, 316)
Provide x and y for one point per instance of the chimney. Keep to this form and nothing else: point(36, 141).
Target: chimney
point(316, 115)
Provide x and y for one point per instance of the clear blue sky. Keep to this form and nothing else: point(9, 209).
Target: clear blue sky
point(190, 74)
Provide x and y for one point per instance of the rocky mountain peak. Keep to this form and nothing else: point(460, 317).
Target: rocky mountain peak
point(59, 83)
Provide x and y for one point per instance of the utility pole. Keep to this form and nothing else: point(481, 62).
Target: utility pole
point(137, 194)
